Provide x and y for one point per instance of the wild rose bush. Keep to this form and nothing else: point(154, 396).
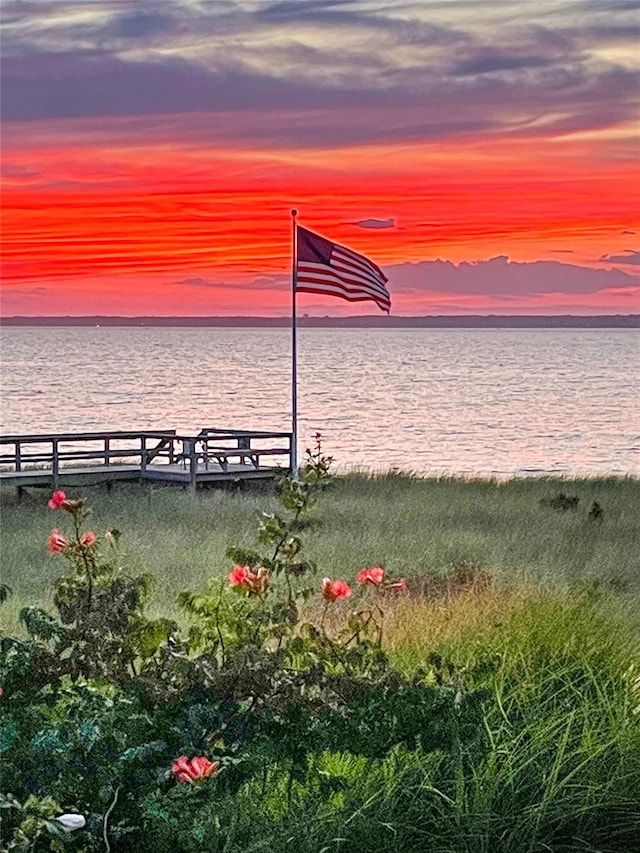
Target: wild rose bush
point(106, 711)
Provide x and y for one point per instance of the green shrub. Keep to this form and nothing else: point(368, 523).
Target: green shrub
point(100, 700)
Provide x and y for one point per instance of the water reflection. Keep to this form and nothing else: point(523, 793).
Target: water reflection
point(471, 402)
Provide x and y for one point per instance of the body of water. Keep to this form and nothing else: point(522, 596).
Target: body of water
point(467, 402)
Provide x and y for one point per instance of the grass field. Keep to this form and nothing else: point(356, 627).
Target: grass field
point(407, 524)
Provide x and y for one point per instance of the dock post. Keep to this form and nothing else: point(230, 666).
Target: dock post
point(143, 455)
point(55, 464)
point(193, 463)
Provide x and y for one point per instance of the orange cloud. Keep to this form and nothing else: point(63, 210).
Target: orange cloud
point(96, 212)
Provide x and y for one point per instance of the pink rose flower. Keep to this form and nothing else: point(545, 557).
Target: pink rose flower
point(373, 575)
point(238, 576)
point(57, 499)
point(254, 581)
point(88, 539)
point(194, 769)
point(333, 590)
point(57, 542)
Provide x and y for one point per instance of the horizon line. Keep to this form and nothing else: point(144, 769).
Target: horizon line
point(301, 316)
point(327, 321)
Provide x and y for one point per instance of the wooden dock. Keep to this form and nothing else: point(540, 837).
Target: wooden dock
point(161, 456)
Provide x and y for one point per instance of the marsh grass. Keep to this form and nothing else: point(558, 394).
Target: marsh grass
point(415, 624)
point(407, 524)
point(561, 716)
point(557, 766)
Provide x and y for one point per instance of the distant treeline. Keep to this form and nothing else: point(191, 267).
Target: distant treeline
point(490, 321)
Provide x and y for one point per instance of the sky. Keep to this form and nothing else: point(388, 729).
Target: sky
point(484, 153)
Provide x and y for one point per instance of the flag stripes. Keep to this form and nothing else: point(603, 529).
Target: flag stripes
point(327, 268)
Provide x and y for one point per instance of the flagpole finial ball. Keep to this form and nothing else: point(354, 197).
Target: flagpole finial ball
point(294, 212)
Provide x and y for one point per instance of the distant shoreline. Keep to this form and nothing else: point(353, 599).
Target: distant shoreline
point(477, 321)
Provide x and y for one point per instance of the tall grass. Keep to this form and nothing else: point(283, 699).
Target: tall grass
point(410, 525)
point(563, 768)
point(556, 767)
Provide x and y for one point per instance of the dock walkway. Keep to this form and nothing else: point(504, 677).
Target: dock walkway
point(162, 456)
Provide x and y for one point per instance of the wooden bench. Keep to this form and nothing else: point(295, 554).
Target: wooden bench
point(222, 454)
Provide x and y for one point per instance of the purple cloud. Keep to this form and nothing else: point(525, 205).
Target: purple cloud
point(262, 283)
point(50, 86)
point(18, 173)
point(607, 6)
point(63, 61)
point(492, 61)
point(631, 256)
point(500, 276)
point(374, 223)
point(141, 23)
point(196, 281)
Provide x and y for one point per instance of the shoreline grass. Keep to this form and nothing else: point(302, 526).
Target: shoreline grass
point(546, 629)
point(408, 524)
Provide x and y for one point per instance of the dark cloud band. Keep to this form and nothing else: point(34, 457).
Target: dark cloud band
point(370, 73)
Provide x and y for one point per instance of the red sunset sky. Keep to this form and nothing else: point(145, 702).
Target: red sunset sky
point(483, 152)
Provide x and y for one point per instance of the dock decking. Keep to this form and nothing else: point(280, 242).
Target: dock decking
point(162, 456)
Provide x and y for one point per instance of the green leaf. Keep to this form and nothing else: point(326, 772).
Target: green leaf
point(148, 636)
point(8, 734)
point(48, 741)
point(145, 753)
point(40, 624)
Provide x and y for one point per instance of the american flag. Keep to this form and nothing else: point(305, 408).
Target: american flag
point(326, 267)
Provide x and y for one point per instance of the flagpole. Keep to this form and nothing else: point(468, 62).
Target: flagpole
point(294, 347)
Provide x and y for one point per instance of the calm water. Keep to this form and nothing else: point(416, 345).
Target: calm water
point(460, 401)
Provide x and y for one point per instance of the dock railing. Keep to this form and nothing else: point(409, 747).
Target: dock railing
point(32, 456)
point(147, 454)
